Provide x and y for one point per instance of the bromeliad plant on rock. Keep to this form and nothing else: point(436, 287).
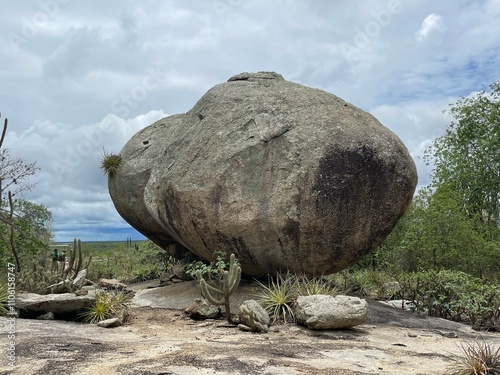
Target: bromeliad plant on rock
point(219, 295)
point(110, 163)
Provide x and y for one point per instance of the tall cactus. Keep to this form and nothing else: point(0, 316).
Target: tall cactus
point(230, 281)
point(76, 267)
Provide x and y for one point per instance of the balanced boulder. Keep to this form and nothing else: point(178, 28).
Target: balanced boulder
point(285, 176)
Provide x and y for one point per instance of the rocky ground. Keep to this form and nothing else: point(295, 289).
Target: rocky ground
point(161, 340)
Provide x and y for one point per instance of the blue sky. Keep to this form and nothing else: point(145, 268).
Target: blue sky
point(78, 77)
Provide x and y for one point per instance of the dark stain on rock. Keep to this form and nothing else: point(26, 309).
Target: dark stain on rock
point(292, 232)
point(237, 246)
point(344, 177)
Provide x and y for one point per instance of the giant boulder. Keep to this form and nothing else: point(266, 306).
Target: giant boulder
point(283, 175)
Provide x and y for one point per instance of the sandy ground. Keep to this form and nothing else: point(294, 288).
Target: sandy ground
point(161, 340)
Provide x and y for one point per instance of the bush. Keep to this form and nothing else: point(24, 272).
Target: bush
point(453, 295)
point(277, 297)
point(107, 305)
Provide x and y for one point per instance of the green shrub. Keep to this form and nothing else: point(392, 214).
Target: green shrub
point(366, 282)
point(212, 271)
point(107, 305)
point(307, 286)
point(453, 295)
point(277, 297)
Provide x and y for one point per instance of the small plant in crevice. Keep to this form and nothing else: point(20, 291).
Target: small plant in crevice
point(479, 358)
point(110, 163)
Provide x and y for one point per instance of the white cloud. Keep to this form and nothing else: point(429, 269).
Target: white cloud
point(433, 22)
point(89, 68)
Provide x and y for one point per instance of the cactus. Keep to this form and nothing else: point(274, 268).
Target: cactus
point(77, 245)
point(230, 281)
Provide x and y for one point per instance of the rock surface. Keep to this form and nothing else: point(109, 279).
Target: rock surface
point(55, 303)
point(162, 340)
point(327, 312)
point(284, 176)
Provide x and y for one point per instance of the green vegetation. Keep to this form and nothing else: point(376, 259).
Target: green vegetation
point(3, 299)
point(278, 297)
point(281, 292)
point(129, 263)
point(229, 281)
point(108, 305)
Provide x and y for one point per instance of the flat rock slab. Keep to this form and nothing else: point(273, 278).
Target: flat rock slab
point(56, 303)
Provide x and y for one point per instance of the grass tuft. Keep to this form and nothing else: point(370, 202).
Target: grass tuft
point(479, 358)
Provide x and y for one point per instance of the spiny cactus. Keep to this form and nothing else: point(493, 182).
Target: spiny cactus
point(230, 281)
point(75, 267)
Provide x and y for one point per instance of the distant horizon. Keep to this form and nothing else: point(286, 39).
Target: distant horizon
point(83, 241)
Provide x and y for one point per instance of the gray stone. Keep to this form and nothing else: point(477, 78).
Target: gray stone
point(327, 312)
point(110, 323)
point(284, 176)
point(253, 317)
point(55, 303)
point(47, 316)
point(200, 309)
point(79, 279)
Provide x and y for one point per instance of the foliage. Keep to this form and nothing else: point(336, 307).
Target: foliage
point(212, 270)
point(453, 295)
point(4, 294)
point(126, 263)
point(436, 234)
point(35, 277)
point(278, 297)
point(308, 286)
point(365, 281)
point(107, 305)
point(466, 157)
point(14, 175)
point(110, 163)
point(230, 279)
point(479, 358)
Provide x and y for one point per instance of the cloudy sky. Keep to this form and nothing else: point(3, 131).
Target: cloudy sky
point(80, 77)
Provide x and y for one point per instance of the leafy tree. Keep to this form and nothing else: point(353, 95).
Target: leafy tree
point(436, 234)
point(467, 156)
point(14, 174)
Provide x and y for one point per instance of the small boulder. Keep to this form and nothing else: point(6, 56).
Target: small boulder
point(79, 279)
point(47, 316)
point(175, 274)
point(326, 312)
point(110, 323)
point(200, 309)
point(253, 317)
